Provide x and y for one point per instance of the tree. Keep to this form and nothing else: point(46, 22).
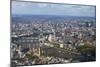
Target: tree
point(88, 52)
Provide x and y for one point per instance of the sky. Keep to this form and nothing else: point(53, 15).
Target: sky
point(32, 8)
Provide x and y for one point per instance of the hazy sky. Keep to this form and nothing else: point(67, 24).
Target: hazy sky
point(52, 9)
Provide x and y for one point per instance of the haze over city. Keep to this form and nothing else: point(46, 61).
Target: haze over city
point(52, 9)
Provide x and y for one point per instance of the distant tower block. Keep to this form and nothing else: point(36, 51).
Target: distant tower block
point(61, 45)
point(39, 51)
point(50, 38)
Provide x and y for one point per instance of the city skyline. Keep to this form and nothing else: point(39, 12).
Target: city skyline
point(32, 8)
point(48, 33)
